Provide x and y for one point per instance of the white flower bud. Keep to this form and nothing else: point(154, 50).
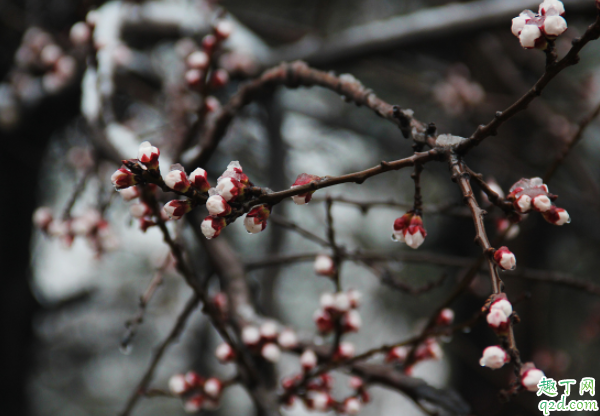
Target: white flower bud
point(342, 302)
point(129, 194)
point(287, 339)
point(177, 384)
point(529, 36)
point(324, 265)
point(197, 60)
point(308, 360)
point(217, 205)
point(504, 305)
point(271, 352)
point(346, 350)
point(252, 226)
point(320, 401)
point(414, 240)
point(80, 33)
point(554, 26)
point(250, 335)
point(546, 5)
point(497, 318)
point(327, 300)
point(212, 388)
point(268, 330)
point(224, 352)
point(518, 23)
point(493, 357)
point(352, 406)
point(531, 378)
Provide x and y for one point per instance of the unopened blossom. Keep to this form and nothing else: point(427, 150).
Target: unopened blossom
point(199, 180)
point(234, 170)
point(193, 404)
point(80, 33)
point(546, 5)
point(197, 60)
point(225, 353)
point(530, 378)
point(271, 352)
point(193, 77)
point(148, 155)
point(256, 219)
point(308, 360)
point(139, 210)
point(397, 354)
point(288, 339)
point(323, 321)
point(123, 178)
point(409, 229)
point(557, 216)
point(223, 29)
point(221, 303)
point(327, 301)
point(352, 406)
point(217, 205)
point(519, 22)
point(494, 357)
point(356, 383)
point(345, 351)
point(129, 194)
point(250, 335)
point(320, 401)
point(531, 36)
point(230, 189)
point(541, 203)
point(354, 296)
point(498, 320)
point(213, 387)
point(42, 217)
point(303, 179)
point(177, 180)
point(176, 209)
point(50, 54)
point(219, 78)
point(341, 302)
point(446, 317)
point(178, 385)
point(324, 265)
point(194, 379)
point(86, 223)
point(212, 226)
point(430, 349)
point(269, 331)
point(505, 258)
point(503, 304)
point(554, 26)
point(351, 321)
point(208, 43)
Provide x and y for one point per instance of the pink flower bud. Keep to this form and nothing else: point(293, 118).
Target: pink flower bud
point(268, 331)
point(197, 60)
point(397, 354)
point(212, 104)
point(352, 406)
point(148, 155)
point(223, 29)
point(140, 210)
point(230, 188)
point(217, 205)
point(50, 54)
point(220, 302)
point(446, 317)
point(80, 33)
point(557, 5)
point(129, 194)
point(494, 357)
point(42, 218)
point(250, 335)
point(194, 379)
point(557, 216)
point(178, 385)
point(356, 383)
point(531, 37)
point(219, 79)
point(308, 360)
point(212, 388)
point(198, 179)
point(345, 351)
point(541, 203)
point(354, 296)
point(323, 321)
point(498, 320)
point(319, 401)
point(287, 339)
point(505, 258)
point(256, 219)
point(430, 349)
point(193, 77)
point(177, 180)
point(503, 304)
point(208, 43)
point(554, 26)
point(193, 403)
point(304, 179)
point(324, 265)
point(530, 379)
point(212, 226)
point(351, 321)
point(225, 353)
point(271, 352)
point(122, 178)
point(523, 203)
point(176, 209)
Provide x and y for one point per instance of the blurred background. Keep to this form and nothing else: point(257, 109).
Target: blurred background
point(63, 309)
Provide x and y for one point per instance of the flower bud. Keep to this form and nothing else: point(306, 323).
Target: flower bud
point(177, 180)
point(303, 179)
point(554, 26)
point(193, 403)
point(129, 194)
point(217, 205)
point(123, 178)
point(557, 216)
point(397, 354)
point(80, 33)
point(250, 335)
point(446, 317)
point(176, 209)
point(415, 234)
point(193, 379)
point(324, 265)
point(531, 37)
point(354, 297)
point(530, 378)
point(323, 321)
point(198, 179)
point(42, 218)
point(308, 360)
point(178, 385)
point(271, 352)
point(519, 22)
point(140, 210)
point(234, 170)
point(498, 320)
point(503, 304)
point(197, 60)
point(212, 388)
point(327, 301)
point(219, 79)
point(351, 321)
point(193, 77)
point(541, 203)
point(220, 302)
point(287, 339)
point(546, 5)
point(208, 43)
point(256, 219)
point(505, 259)
point(148, 155)
point(268, 331)
point(400, 225)
point(212, 226)
point(319, 401)
point(345, 351)
point(356, 383)
point(429, 349)
point(494, 357)
point(225, 353)
point(351, 406)
point(342, 302)
point(223, 29)
point(230, 188)
point(523, 203)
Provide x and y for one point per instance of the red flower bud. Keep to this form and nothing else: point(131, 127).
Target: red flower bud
point(304, 179)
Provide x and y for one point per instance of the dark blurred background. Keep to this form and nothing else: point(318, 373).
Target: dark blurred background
point(62, 310)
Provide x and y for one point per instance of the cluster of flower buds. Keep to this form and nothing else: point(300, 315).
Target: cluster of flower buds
point(428, 350)
point(532, 194)
point(196, 392)
point(303, 179)
point(342, 307)
point(89, 225)
point(500, 311)
point(494, 357)
point(535, 30)
point(267, 340)
point(409, 229)
point(531, 376)
point(324, 265)
point(199, 74)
